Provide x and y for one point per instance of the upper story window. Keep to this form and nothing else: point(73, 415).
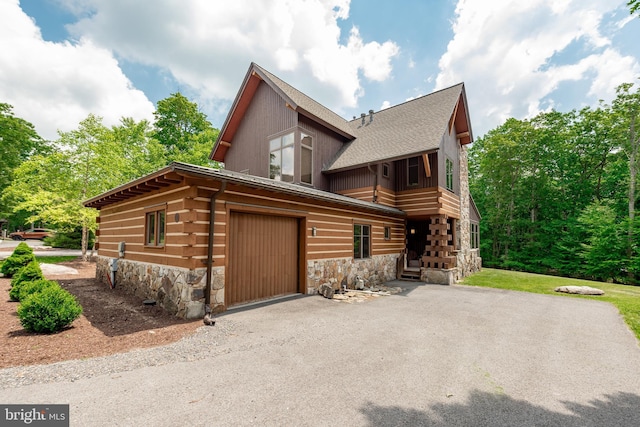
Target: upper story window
point(283, 164)
point(385, 170)
point(413, 169)
point(449, 173)
point(281, 158)
point(306, 158)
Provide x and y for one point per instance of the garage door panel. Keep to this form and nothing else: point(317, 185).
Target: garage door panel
point(263, 259)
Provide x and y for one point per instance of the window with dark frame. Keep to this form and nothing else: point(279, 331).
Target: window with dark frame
point(385, 170)
point(413, 169)
point(281, 158)
point(155, 230)
point(306, 158)
point(475, 235)
point(449, 173)
point(387, 233)
point(361, 241)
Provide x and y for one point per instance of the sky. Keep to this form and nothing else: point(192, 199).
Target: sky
point(61, 60)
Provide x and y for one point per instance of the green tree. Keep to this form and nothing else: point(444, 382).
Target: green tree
point(625, 110)
point(89, 160)
point(634, 6)
point(177, 124)
point(18, 141)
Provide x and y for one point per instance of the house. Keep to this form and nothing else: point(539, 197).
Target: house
point(305, 198)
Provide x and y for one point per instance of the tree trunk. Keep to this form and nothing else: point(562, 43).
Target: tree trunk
point(85, 241)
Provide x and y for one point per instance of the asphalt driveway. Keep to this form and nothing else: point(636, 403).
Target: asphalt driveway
point(434, 355)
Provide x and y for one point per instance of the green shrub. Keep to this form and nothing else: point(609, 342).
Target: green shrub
point(22, 249)
point(48, 311)
point(15, 262)
point(29, 273)
point(69, 240)
point(28, 288)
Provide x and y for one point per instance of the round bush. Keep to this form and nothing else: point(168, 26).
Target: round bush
point(14, 263)
point(48, 311)
point(28, 288)
point(29, 273)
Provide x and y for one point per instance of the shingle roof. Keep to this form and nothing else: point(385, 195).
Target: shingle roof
point(309, 105)
point(413, 127)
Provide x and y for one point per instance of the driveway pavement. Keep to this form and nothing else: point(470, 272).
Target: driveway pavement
point(7, 246)
point(433, 355)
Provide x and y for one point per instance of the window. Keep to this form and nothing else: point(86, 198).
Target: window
point(281, 158)
point(283, 163)
point(306, 158)
point(449, 173)
point(361, 241)
point(155, 228)
point(475, 235)
point(387, 233)
point(385, 170)
point(413, 165)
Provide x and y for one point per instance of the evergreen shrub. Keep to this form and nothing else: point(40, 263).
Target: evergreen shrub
point(48, 311)
point(29, 273)
point(28, 288)
point(14, 263)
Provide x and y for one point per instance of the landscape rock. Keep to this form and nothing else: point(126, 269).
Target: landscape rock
point(581, 290)
point(326, 290)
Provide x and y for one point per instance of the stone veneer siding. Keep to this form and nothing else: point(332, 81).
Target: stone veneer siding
point(343, 271)
point(180, 291)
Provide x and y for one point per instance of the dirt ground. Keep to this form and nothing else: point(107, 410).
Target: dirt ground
point(111, 322)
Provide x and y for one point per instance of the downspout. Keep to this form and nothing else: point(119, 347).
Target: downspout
point(208, 318)
point(375, 183)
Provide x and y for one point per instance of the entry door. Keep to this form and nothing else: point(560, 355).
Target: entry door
point(263, 257)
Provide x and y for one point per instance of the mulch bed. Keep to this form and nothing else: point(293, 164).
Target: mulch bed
point(112, 322)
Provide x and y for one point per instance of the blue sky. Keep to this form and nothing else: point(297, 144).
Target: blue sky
point(64, 59)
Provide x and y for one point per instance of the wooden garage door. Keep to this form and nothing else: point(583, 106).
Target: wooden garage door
point(263, 257)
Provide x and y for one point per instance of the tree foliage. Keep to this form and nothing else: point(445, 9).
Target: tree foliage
point(183, 130)
point(49, 186)
point(18, 141)
point(558, 191)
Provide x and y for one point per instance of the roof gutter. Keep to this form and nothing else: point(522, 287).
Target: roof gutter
point(208, 318)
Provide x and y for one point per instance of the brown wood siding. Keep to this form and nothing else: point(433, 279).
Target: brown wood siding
point(386, 197)
point(263, 257)
point(186, 243)
point(450, 203)
point(267, 115)
point(325, 146)
point(423, 181)
point(364, 193)
point(425, 202)
point(352, 179)
point(450, 147)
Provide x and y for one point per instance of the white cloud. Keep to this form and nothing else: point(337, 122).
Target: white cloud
point(510, 55)
point(56, 85)
point(385, 105)
point(208, 45)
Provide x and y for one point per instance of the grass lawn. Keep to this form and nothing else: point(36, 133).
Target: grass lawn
point(626, 298)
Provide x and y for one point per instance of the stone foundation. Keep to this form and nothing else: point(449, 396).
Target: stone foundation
point(469, 262)
point(438, 276)
point(343, 271)
point(179, 291)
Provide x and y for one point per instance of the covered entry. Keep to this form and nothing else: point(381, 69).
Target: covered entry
point(263, 257)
